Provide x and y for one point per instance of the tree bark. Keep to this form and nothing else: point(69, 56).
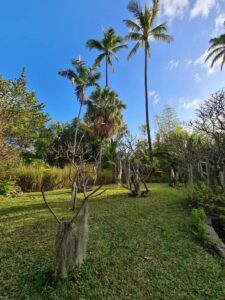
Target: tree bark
point(74, 184)
point(147, 102)
point(106, 70)
point(120, 173)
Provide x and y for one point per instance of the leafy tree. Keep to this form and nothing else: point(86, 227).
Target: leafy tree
point(166, 123)
point(141, 30)
point(104, 114)
point(217, 51)
point(22, 118)
point(108, 46)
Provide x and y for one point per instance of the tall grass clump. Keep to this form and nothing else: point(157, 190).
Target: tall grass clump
point(31, 178)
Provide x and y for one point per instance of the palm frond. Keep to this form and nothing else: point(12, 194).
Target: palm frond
point(132, 25)
point(222, 64)
point(135, 8)
point(99, 59)
point(162, 28)
point(217, 57)
point(163, 37)
point(70, 74)
point(134, 50)
point(214, 52)
point(117, 48)
point(95, 44)
point(154, 11)
point(134, 36)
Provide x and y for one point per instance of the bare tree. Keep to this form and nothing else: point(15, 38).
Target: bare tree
point(211, 122)
point(134, 168)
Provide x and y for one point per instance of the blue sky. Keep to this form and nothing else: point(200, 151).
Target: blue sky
point(44, 35)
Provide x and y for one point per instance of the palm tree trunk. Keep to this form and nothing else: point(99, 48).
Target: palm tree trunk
point(146, 101)
point(76, 130)
point(74, 185)
point(106, 70)
point(100, 154)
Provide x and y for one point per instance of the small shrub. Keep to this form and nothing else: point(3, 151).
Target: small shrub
point(199, 219)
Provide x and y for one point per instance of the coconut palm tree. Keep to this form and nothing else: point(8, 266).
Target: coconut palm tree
point(217, 51)
point(104, 114)
point(108, 46)
point(82, 77)
point(142, 30)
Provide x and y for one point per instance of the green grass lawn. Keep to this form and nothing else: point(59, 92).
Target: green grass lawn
point(123, 231)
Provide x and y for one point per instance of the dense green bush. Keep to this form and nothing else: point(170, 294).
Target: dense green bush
point(105, 176)
point(211, 199)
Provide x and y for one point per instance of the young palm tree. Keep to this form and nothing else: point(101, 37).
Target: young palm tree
point(82, 77)
point(142, 30)
point(104, 113)
point(108, 47)
point(217, 50)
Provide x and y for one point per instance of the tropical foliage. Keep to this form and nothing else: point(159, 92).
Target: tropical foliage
point(216, 51)
point(141, 30)
point(108, 47)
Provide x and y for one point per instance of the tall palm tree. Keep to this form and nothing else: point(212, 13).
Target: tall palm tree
point(82, 77)
point(104, 113)
point(108, 46)
point(142, 30)
point(217, 51)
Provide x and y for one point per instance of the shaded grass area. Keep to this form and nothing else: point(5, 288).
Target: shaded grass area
point(138, 249)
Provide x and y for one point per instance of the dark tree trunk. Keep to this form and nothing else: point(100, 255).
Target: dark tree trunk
point(146, 101)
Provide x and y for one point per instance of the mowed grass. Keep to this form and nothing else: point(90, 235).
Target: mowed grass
point(137, 249)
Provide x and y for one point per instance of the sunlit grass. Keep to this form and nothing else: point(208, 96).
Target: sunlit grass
point(138, 249)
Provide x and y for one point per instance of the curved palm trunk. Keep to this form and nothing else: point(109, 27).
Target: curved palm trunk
point(106, 70)
point(74, 185)
point(146, 101)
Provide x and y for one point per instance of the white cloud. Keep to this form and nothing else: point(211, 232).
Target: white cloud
point(219, 24)
point(202, 8)
point(155, 97)
point(201, 62)
point(174, 8)
point(197, 77)
point(192, 104)
point(173, 64)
